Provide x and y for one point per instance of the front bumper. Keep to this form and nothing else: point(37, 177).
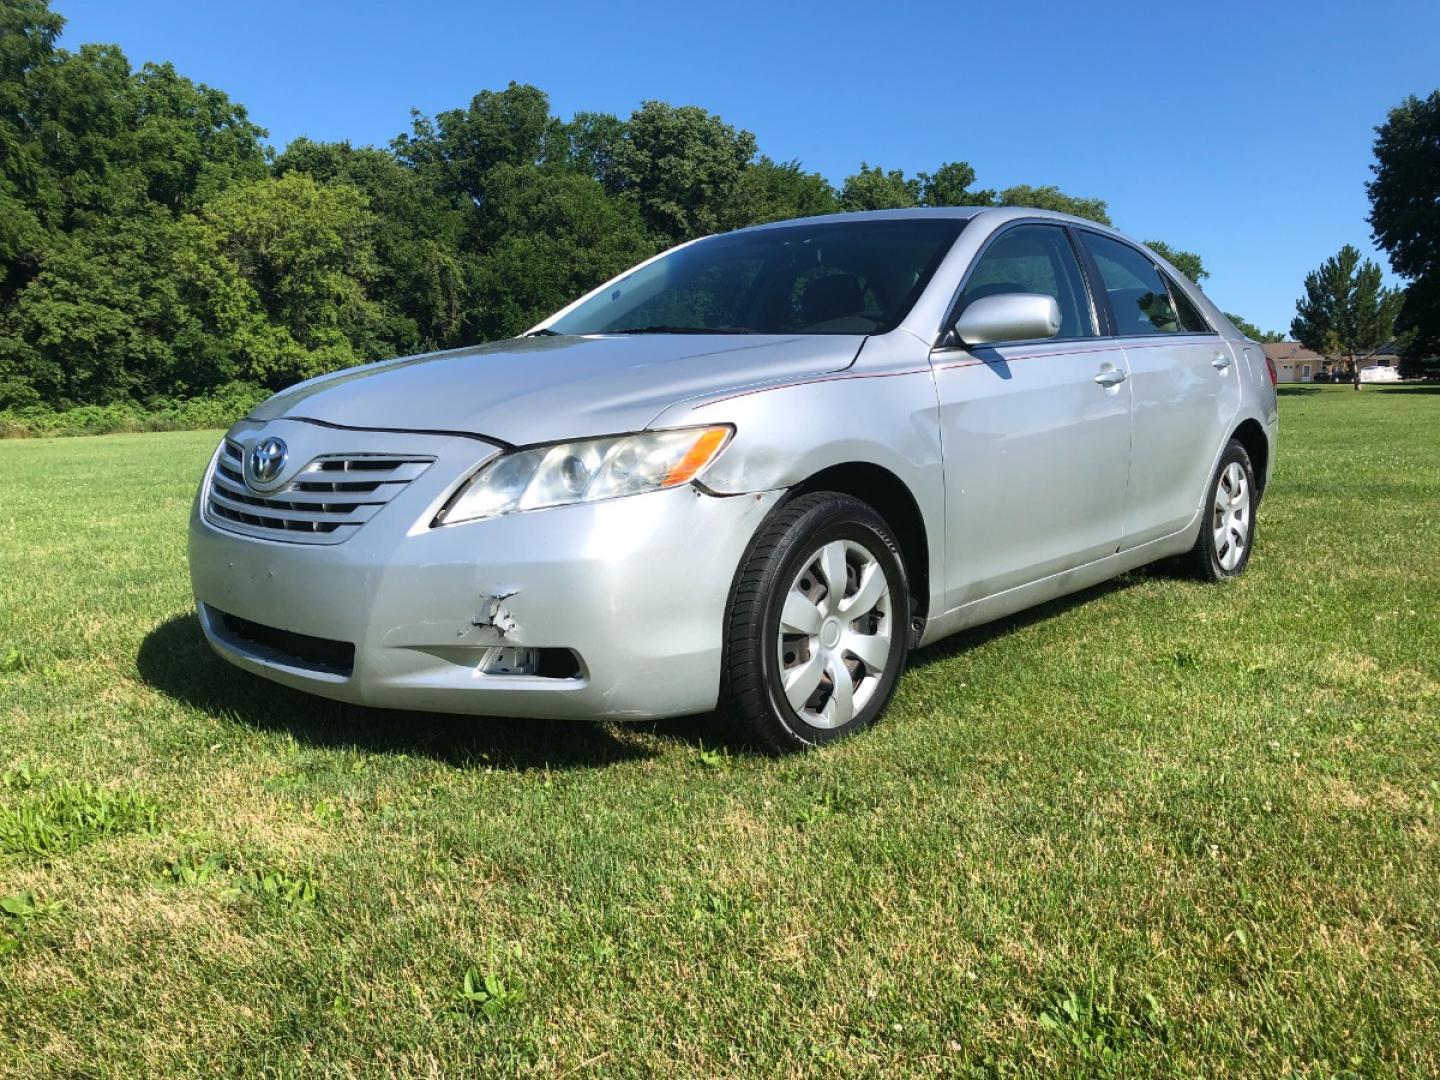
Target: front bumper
point(635, 587)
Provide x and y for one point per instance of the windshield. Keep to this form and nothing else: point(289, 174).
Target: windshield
point(848, 277)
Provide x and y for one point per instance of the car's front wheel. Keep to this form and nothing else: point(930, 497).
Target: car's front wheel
point(817, 633)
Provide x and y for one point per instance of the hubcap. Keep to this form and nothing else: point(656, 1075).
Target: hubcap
point(835, 634)
point(1231, 518)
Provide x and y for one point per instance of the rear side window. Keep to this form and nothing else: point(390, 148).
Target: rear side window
point(1191, 321)
point(1034, 259)
point(1138, 295)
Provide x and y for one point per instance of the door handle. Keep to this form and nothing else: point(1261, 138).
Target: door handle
point(1222, 361)
point(1111, 377)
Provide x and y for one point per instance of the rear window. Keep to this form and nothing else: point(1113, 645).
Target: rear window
point(1138, 296)
point(1191, 321)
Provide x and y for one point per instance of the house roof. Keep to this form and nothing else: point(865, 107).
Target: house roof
point(1289, 350)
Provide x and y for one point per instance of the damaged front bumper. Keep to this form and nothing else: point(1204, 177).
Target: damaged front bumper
point(406, 615)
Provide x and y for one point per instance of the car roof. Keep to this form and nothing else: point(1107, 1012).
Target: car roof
point(963, 213)
point(956, 213)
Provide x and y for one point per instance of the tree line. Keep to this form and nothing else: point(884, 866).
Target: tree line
point(153, 247)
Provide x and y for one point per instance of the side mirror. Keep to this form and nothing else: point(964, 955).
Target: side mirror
point(1008, 317)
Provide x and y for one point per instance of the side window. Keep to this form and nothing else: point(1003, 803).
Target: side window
point(1035, 259)
point(1138, 296)
point(1191, 321)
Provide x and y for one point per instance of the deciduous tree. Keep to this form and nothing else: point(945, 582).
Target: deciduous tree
point(1405, 216)
point(1253, 332)
point(28, 30)
point(104, 320)
point(190, 141)
point(588, 144)
point(553, 235)
point(773, 191)
point(682, 166)
point(1187, 262)
point(458, 147)
point(280, 271)
point(425, 268)
point(1052, 198)
point(950, 185)
point(873, 188)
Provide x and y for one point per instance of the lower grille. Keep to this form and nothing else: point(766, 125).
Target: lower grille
point(285, 646)
point(326, 502)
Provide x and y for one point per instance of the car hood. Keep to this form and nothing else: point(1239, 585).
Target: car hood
point(529, 390)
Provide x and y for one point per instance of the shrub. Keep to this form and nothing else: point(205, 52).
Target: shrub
point(218, 409)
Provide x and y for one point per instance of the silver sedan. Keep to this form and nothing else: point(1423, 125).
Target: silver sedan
point(756, 470)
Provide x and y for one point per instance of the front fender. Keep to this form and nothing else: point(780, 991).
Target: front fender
point(784, 434)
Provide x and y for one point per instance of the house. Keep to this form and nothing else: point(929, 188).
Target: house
point(1293, 362)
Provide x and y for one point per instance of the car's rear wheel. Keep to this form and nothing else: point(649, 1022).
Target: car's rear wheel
point(817, 633)
point(1227, 533)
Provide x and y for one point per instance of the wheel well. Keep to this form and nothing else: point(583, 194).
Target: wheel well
point(1252, 436)
point(888, 494)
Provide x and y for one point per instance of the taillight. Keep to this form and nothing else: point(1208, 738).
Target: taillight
point(1270, 367)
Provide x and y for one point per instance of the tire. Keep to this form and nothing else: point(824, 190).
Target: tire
point(786, 632)
point(1227, 531)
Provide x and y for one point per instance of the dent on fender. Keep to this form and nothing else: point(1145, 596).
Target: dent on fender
point(704, 489)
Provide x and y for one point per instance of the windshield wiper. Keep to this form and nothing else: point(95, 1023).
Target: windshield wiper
point(544, 331)
point(662, 329)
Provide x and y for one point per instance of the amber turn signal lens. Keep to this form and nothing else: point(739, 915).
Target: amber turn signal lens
point(698, 456)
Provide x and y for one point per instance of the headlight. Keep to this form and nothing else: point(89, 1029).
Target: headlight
point(585, 471)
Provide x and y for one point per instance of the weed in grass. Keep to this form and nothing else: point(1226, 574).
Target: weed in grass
point(834, 798)
point(191, 870)
point(24, 776)
point(489, 995)
point(66, 815)
point(1092, 1020)
point(722, 909)
point(17, 911)
point(278, 889)
point(11, 659)
point(713, 757)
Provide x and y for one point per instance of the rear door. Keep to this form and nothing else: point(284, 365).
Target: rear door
point(1184, 385)
point(1036, 433)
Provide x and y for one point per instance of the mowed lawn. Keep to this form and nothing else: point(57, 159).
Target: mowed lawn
point(1160, 827)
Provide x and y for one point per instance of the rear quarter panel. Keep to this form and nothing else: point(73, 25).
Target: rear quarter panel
point(1258, 399)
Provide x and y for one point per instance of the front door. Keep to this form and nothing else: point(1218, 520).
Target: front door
point(1036, 434)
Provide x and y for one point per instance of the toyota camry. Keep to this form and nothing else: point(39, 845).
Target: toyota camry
point(755, 471)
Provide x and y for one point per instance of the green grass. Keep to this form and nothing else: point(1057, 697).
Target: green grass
point(1158, 828)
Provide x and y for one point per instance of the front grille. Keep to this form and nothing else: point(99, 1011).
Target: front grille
point(285, 646)
point(326, 502)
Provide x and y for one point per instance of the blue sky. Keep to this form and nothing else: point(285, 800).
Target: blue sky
point(1238, 130)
